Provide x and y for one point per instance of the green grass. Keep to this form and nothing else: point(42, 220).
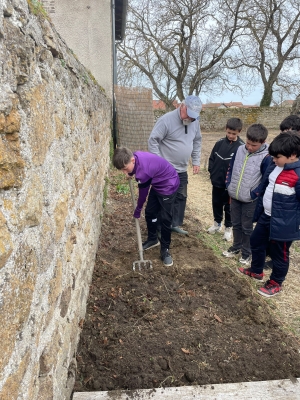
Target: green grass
point(36, 8)
point(122, 188)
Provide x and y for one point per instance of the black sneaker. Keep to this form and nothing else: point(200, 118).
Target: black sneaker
point(150, 243)
point(166, 258)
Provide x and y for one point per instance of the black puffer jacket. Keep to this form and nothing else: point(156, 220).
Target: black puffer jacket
point(219, 160)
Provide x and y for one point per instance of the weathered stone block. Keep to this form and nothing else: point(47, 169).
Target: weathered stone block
point(45, 388)
point(60, 214)
point(11, 164)
point(64, 302)
point(6, 244)
point(11, 388)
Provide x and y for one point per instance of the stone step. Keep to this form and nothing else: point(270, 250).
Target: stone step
point(286, 389)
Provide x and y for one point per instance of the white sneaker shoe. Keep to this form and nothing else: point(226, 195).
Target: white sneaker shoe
point(245, 260)
point(215, 228)
point(227, 234)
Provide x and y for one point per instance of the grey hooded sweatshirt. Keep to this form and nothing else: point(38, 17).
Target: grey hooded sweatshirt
point(169, 139)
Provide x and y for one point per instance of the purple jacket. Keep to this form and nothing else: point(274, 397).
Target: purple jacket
point(155, 171)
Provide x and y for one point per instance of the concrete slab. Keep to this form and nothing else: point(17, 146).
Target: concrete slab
point(286, 389)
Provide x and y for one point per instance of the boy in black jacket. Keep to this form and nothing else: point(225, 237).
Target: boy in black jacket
point(218, 164)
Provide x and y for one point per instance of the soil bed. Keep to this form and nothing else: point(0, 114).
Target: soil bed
point(197, 322)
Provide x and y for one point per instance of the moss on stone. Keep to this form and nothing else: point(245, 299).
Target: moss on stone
point(36, 8)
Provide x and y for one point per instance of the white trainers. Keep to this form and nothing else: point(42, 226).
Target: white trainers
point(245, 260)
point(215, 228)
point(227, 234)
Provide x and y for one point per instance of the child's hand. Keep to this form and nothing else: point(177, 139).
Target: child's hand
point(137, 213)
point(196, 169)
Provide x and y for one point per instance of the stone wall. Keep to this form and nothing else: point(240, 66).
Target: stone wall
point(271, 117)
point(215, 119)
point(135, 116)
point(54, 157)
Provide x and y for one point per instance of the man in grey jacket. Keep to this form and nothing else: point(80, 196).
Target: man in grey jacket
point(176, 137)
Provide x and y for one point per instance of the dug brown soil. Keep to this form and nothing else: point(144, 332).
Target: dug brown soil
point(194, 323)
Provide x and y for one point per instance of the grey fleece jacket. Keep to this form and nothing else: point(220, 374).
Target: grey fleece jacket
point(169, 140)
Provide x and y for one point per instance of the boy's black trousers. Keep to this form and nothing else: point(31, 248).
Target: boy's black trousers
point(278, 251)
point(164, 205)
point(220, 205)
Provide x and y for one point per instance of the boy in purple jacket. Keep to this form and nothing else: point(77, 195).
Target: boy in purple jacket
point(152, 170)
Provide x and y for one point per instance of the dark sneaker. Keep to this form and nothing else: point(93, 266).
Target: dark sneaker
point(247, 271)
point(230, 252)
point(166, 258)
point(245, 260)
point(150, 243)
point(270, 288)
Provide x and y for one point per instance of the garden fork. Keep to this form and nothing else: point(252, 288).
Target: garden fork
point(141, 263)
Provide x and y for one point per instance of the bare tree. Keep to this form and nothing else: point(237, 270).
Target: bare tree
point(180, 46)
point(271, 44)
point(296, 106)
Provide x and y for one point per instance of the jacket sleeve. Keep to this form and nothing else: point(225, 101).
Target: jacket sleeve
point(143, 193)
point(263, 168)
point(229, 172)
point(197, 147)
point(211, 159)
point(157, 135)
point(297, 189)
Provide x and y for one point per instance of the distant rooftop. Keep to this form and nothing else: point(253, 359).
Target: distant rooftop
point(160, 105)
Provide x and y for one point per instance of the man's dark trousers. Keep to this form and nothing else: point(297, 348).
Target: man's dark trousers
point(180, 201)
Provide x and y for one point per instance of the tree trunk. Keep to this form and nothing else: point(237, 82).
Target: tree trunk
point(267, 97)
point(296, 106)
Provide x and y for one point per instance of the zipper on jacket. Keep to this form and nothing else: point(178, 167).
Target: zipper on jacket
point(241, 176)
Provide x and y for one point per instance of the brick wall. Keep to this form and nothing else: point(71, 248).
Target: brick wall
point(135, 117)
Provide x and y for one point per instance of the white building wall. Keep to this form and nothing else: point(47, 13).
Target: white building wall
point(86, 27)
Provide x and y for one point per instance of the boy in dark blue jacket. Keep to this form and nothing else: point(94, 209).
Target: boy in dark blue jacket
point(277, 213)
point(218, 164)
point(152, 171)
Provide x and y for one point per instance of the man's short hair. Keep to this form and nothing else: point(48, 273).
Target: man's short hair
point(235, 124)
point(121, 157)
point(257, 133)
point(292, 122)
point(286, 144)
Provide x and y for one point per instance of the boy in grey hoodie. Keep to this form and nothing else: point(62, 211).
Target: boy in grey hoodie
point(243, 178)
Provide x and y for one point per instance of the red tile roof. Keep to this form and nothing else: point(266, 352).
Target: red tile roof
point(160, 105)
